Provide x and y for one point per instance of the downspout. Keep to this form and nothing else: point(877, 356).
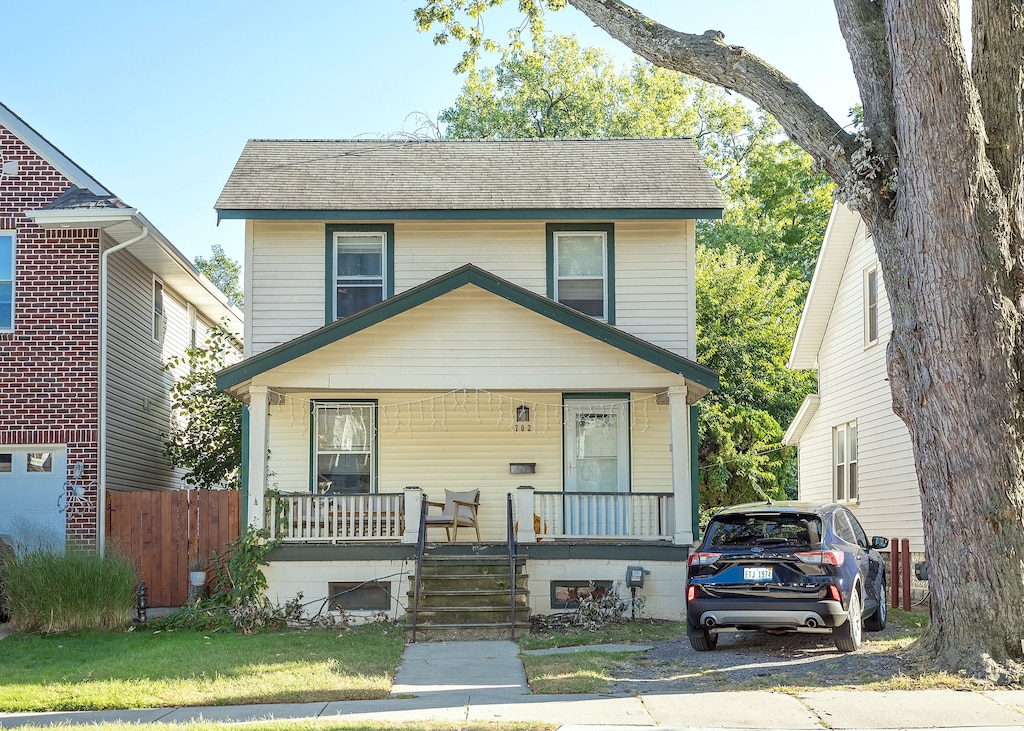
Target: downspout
point(101, 483)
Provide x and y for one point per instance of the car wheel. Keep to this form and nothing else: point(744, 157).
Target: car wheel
point(876, 622)
point(847, 635)
point(701, 639)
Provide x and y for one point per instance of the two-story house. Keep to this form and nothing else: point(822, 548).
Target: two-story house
point(852, 448)
point(514, 317)
point(94, 301)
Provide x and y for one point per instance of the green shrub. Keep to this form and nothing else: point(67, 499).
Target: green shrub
point(53, 589)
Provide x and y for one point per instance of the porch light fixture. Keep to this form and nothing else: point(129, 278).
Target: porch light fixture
point(522, 414)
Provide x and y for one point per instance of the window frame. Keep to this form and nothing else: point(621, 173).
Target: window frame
point(845, 465)
point(314, 451)
point(607, 230)
point(193, 326)
point(14, 246)
point(159, 310)
point(331, 262)
point(871, 306)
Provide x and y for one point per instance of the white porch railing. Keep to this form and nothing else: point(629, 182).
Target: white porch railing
point(302, 517)
point(588, 515)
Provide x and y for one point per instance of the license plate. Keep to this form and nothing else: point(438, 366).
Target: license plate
point(757, 573)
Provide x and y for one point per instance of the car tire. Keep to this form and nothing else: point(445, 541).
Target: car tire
point(876, 622)
point(701, 639)
point(847, 635)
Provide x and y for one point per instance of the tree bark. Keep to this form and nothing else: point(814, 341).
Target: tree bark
point(937, 177)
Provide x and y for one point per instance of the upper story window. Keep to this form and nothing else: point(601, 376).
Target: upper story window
point(844, 462)
point(193, 327)
point(581, 269)
point(360, 268)
point(6, 281)
point(158, 309)
point(871, 306)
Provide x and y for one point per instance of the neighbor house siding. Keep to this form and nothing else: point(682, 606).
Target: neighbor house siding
point(138, 387)
point(853, 386)
point(286, 272)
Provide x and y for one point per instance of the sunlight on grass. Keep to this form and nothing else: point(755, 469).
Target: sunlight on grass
point(313, 724)
point(577, 672)
point(96, 671)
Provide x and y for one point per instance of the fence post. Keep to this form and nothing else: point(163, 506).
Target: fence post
point(894, 572)
point(905, 572)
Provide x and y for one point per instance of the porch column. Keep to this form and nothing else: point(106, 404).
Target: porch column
point(526, 511)
point(679, 422)
point(258, 414)
point(413, 505)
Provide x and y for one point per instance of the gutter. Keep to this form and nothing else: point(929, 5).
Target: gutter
point(101, 483)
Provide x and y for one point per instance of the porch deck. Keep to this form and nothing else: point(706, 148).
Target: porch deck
point(385, 517)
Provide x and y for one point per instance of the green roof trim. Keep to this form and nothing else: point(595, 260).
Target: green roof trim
point(482, 214)
point(465, 275)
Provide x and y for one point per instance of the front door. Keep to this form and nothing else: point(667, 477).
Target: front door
point(597, 446)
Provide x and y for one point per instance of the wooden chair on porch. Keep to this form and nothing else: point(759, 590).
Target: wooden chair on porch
point(459, 509)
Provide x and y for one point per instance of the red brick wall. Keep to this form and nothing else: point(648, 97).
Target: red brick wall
point(48, 365)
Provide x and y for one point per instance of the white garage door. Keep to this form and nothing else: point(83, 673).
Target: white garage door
point(31, 481)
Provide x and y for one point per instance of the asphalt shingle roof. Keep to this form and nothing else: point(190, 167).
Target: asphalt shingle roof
point(404, 175)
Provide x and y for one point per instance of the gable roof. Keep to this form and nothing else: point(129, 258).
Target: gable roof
point(541, 178)
point(843, 227)
point(467, 274)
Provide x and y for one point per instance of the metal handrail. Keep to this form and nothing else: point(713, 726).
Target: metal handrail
point(511, 566)
point(421, 540)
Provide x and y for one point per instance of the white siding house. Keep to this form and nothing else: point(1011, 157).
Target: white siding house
point(852, 447)
point(514, 317)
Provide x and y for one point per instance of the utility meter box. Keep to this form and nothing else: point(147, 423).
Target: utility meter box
point(635, 576)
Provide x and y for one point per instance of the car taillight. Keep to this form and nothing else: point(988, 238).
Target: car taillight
point(831, 558)
point(833, 592)
point(691, 593)
point(703, 559)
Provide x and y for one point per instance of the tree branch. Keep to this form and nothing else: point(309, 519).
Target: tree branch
point(707, 57)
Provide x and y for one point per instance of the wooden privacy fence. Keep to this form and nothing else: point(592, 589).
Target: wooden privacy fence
point(161, 530)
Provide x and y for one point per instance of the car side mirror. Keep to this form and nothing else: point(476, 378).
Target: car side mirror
point(879, 542)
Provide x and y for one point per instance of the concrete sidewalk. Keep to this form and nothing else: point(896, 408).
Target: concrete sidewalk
point(473, 682)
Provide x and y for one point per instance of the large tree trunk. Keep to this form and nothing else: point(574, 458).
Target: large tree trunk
point(937, 176)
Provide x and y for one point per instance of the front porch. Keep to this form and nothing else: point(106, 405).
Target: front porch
point(393, 517)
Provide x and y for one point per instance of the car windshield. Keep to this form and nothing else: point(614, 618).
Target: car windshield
point(780, 529)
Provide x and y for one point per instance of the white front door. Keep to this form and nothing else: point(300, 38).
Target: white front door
point(597, 446)
point(31, 481)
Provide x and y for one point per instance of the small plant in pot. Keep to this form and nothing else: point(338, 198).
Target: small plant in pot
point(197, 572)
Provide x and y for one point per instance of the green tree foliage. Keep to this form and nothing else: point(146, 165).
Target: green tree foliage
point(206, 434)
point(750, 265)
point(747, 315)
point(224, 272)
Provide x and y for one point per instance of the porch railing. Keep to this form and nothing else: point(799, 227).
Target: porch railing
point(302, 517)
point(635, 516)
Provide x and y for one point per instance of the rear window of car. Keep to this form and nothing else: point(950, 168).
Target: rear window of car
point(741, 530)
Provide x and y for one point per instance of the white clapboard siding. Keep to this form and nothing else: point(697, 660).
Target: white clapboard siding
point(286, 267)
point(853, 386)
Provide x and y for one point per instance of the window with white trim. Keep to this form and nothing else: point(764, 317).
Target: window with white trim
point(359, 270)
point(581, 271)
point(6, 281)
point(871, 306)
point(844, 462)
point(158, 309)
point(344, 436)
point(193, 326)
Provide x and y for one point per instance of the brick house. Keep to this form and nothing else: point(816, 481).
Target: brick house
point(93, 302)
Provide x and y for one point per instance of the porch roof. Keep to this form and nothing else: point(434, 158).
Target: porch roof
point(469, 274)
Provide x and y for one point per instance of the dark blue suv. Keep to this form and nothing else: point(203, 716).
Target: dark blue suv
point(785, 566)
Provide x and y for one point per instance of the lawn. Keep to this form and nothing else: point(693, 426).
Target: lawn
point(315, 724)
point(147, 668)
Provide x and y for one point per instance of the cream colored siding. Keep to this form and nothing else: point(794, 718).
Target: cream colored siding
point(472, 339)
point(138, 403)
point(853, 386)
point(286, 290)
point(650, 448)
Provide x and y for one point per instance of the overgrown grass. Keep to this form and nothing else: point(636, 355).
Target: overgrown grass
point(53, 589)
point(635, 632)
point(143, 668)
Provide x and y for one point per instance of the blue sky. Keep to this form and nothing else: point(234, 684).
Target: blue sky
point(156, 100)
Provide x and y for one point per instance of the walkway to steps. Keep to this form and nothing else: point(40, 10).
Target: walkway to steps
point(481, 671)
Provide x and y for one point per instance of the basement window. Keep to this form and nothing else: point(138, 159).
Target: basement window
point(567, 594)
point(359, 595)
